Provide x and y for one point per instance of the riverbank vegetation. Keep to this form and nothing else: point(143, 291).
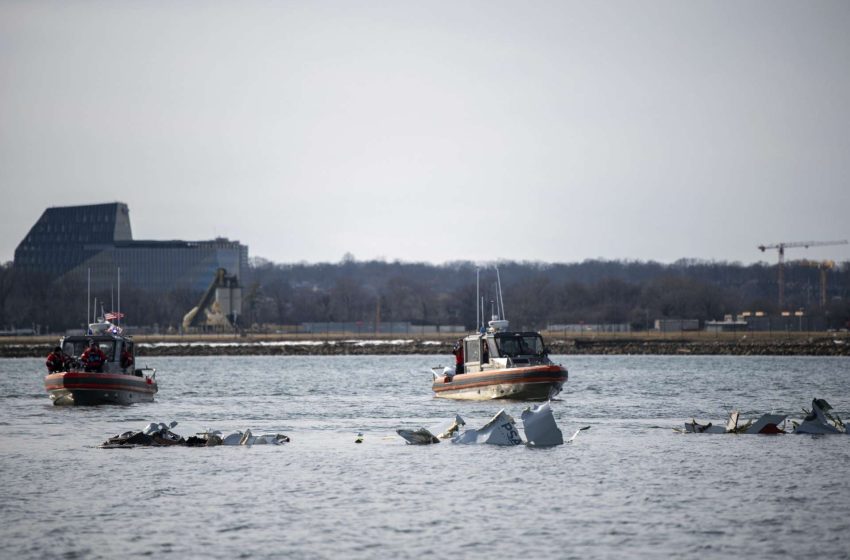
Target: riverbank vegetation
point(536, 294)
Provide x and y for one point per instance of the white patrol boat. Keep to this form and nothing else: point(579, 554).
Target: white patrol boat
point(502, 364)
point(497, 363)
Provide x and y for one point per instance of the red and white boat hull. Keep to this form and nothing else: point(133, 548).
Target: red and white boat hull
point(89, 388)
point(532, 383)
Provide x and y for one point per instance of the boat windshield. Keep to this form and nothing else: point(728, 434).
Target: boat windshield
point(76, 346)
point(519, 344)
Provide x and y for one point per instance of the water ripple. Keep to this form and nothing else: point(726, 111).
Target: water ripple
point(631, 486)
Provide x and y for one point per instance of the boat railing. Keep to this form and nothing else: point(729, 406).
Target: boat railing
point(143, 372)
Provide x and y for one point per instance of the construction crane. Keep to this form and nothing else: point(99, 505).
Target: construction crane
point(824, 267)
point(781, 248)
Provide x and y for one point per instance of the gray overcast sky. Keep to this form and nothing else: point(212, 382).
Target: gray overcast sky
point(553, 131)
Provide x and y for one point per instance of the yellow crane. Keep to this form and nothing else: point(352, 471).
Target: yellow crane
point(781, 248)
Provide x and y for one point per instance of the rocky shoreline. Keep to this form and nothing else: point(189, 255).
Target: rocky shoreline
point(823, 346)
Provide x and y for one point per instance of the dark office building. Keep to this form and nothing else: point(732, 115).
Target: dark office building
point(70, 241)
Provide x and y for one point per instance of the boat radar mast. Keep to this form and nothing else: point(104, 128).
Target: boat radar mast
point(498, 319)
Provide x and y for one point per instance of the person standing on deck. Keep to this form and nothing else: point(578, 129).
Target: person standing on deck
point(126, 360)
point(458, 352)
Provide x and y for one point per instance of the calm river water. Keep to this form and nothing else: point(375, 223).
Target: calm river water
point(630, 487)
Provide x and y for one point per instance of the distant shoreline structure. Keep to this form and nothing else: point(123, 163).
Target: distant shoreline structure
point(795, 344)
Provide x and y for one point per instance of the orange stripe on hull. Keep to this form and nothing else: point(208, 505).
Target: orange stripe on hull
point(71, 381)
point(98, 386)
point(446, 387)
point(508, 376)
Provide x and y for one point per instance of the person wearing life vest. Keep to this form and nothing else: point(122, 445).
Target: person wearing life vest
point(93, 358)
point(56, 360)
point(458, 352)
point(126, 360)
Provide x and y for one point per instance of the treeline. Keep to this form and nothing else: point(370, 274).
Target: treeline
point(539, 294)
point(535, 294)
point(33, 301)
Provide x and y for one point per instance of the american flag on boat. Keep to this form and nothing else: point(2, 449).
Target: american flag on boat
point(112, 315)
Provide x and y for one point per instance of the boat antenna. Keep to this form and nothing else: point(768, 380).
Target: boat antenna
point(501, 301)
point(88, 301)
point(118, 321)
point(477, 298)
point(483, 320)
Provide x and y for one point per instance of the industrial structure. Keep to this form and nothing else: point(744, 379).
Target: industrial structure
point(219, 308)
point(94, 241)
point(780, 247)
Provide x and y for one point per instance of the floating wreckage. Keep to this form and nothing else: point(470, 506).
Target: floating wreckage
point(540, 427)
point(816, 421)
point(767, 424)
point(159, 435)
point(424, 436)
point(151, 435)
point(210, 439)
point(820, 421)
point(538, 423)
point(500, 430)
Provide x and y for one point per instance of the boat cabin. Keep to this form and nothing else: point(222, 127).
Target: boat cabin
point(499, 349)
point(113, 345)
